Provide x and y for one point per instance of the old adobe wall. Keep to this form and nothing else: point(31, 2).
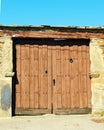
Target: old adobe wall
point(97, 75)
point(96, 67)
point(5, 80)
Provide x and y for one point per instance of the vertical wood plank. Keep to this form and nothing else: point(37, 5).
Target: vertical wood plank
point(80, 76)
point(72, 87)
point(36, 75)
point(32, 67)
point(84, 73)
point(50, 91)
point(44, 77)
point(58, 76)
point(18, 78)
point(67, 79)
point(24, 76)
point(88, 78)
point(76, 86)
point(54, 77)
point(40, 64)
point(69, 76)
point(74, 76)
point(63, 66)
point(65, 87)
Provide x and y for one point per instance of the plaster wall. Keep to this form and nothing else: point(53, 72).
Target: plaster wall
point(97, 75)
point(5, 76)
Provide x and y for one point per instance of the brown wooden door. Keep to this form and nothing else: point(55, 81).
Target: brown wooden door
point(71, 82)
point(33, 89)
point(52, 78)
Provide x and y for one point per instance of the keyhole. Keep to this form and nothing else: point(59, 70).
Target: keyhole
point(71, 60)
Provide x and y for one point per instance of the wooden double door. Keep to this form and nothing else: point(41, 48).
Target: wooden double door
point(52, 76)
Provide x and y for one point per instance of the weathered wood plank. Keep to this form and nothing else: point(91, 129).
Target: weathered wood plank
point(88, 77)
point(63, 66)
point(43, 77)
point(84, 78)
point(72, 76)
point(67, 78)
point(58, 76)
point(18, 75)
point(72, 111)
point(49, 74)
point(31, 95)
point(80, 76)
point(54, 78)
point(36, 75)
point(32, 111)
point(24, 76)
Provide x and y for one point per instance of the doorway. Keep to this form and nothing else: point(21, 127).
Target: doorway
point(52, 76)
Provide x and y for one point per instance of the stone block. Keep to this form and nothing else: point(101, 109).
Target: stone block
point(97, 75)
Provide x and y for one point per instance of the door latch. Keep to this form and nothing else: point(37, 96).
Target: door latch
point(54, 82)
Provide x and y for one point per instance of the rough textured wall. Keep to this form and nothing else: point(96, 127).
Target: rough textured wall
point(97, 75)
point(5, 75)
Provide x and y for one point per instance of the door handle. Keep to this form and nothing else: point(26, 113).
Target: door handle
point(54, 82)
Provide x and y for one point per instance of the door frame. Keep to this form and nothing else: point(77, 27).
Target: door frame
point(13, 88)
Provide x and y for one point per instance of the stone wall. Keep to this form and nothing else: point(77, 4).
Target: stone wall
point(5, 75)
point(97, 75)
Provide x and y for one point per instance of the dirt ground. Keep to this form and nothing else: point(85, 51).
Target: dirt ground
point(53, 122)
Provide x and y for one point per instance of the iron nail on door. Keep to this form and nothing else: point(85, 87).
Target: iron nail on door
point(46, 71)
